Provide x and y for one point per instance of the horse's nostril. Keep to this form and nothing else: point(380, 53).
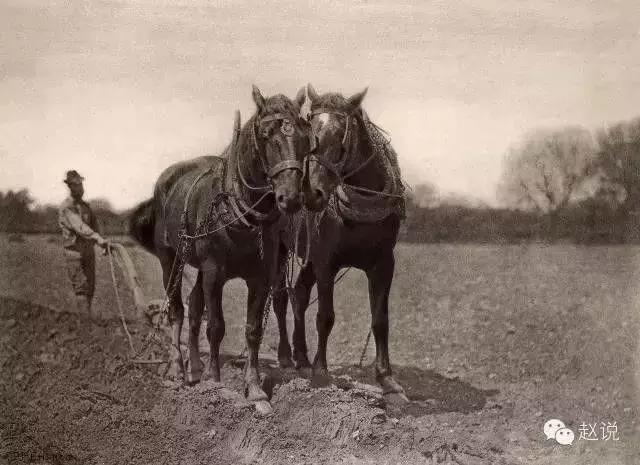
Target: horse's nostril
point(319, 194)
point(280, 199)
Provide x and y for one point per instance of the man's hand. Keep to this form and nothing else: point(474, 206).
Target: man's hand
point(105, 244)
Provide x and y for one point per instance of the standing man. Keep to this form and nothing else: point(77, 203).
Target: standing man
point(79, 234)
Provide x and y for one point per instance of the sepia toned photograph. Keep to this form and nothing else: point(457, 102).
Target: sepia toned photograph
point(315, 233)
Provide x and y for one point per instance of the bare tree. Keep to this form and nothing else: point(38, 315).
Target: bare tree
point(618, 161)
point(547, 169)
point(618, 165)
point(425, 195)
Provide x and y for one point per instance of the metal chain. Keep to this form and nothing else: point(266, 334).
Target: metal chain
point(364, 349)
point(265, 315)
point(260, 243)
point(184, 249)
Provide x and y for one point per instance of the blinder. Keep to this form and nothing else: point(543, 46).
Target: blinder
point(287, 129)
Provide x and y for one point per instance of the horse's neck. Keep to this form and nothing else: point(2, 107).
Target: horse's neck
point(243, 157)
point(371, 175)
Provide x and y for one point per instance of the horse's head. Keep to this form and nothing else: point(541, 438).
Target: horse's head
point(336, 122)
point(282, 141)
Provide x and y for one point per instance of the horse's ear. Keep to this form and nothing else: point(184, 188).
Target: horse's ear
point(356, 100)
point(311, 93)
point(304, 103)
point(258, 98)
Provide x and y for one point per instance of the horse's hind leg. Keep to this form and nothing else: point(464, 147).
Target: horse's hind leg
point(302, 291)
point(212, 284)
point(380, 278)
point(196, 307)
point(280, 309)
point(176, 313)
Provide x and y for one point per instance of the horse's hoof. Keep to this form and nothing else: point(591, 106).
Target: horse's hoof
point(254, 393)
point(175, 372)
point(208, 376)
point(212, 374)
point(263, 408)
point(194, 371)
point(194, 377)
point(285, 362)
point(320, 378)
point(266, 384)
point(176, 365)
point(396, 398)
point(305, 372)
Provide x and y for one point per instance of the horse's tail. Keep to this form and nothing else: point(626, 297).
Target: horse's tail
point(142, 223)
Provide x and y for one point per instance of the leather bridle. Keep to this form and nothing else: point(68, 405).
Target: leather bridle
point(335, 168)
point(289, 162)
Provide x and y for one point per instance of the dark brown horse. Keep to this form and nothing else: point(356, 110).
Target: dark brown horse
point(358, 194)
point(229, 208)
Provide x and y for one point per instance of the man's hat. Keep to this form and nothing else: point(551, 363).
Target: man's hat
point(73, 177)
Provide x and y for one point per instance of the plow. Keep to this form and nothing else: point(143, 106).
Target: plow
point(145, 310)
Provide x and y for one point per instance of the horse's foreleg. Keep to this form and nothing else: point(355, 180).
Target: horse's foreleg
point(196, 308)
point(302, 291)
point(380, 278)
point(176, 315)
point(258, 290)
point(324, 322)
point(280, 301)
point(212, 284)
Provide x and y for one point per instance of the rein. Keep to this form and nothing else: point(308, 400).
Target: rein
point(337, 168)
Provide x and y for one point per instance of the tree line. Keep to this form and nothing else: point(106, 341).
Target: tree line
point(565, 183)
point(19, 214)
point(557, 184)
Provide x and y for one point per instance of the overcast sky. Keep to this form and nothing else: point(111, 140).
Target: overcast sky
point(119, 90)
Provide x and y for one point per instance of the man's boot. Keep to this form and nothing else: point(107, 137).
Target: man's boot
point(84, 305)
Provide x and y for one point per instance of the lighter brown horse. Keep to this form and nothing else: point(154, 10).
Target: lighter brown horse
point(233, 206)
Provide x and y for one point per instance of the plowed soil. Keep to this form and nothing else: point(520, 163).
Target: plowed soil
point(489, 343)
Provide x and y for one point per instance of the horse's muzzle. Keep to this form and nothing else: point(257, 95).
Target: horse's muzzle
point(315, 199)
point(288, 204)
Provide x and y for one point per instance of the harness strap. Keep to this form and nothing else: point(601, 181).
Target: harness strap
point(245, 209)
point(285, 165)
point(273, 117)
point(237, 212)
point(183, 216)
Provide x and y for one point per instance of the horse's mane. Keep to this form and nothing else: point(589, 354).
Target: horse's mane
point(280, 103)
point(330, 101)
point(334, 101)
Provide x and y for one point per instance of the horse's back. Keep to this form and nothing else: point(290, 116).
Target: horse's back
point(185, 185)
point(171, 175)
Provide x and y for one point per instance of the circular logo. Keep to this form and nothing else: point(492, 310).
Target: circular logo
point(287, 127)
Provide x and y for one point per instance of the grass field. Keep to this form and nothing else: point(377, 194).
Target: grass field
point(489, 341)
